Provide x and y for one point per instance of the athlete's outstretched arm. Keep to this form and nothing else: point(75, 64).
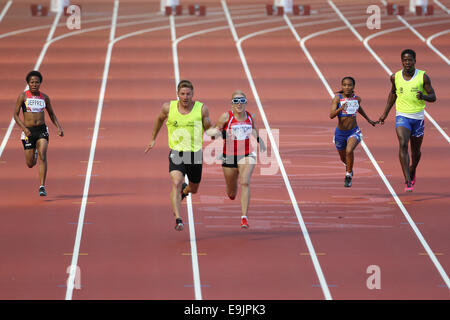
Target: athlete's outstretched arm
point(19, 121)
point(162, 116)
point(363, 113)
point(216, 130)
point(390, 101)
point(52, 115)
point(255, 132)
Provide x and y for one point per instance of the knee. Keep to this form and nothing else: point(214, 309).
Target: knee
point(31, 164)
point(245, 184)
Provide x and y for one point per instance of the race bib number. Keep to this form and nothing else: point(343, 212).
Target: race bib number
point(351, 107)
point(241, 131)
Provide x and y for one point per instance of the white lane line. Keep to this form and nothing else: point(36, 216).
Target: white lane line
point(419, 35)
point(375, 163)
point(313, 255)
point(365, 41)
point(5, 9)
point(76, 248)
point(36, 67)
point(430, 38)
point(193, 241)
point(442, 6)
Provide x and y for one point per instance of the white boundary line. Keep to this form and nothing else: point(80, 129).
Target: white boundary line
point(442, 6)
point(5, 9)
point(193, 242)
point(275, 150)
point(372, 159)
point(378, 59)
point(419, 35)
point(430, 38)
point(36, 67)
point(76, 249)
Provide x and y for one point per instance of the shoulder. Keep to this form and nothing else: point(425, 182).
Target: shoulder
point(165, 107)
point(205, 110)
point(358, 98)
point(336, 98)
point(46, 97)
point(252, 115)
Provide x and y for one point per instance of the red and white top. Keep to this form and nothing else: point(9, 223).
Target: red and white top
point(33, 103)
point(238, 133)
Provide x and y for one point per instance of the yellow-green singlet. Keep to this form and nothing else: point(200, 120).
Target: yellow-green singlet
point(406, 91)
point(185, 130)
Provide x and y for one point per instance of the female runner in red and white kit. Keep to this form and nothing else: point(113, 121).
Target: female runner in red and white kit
point(238, 161)
point(35, 132)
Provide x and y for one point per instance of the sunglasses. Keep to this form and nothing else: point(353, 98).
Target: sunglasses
point(239, 100)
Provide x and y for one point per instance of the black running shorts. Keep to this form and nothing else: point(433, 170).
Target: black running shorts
point(231, 161)
point(37, 132)
point(188, 163)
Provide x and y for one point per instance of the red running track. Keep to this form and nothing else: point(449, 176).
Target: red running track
point(128, 248)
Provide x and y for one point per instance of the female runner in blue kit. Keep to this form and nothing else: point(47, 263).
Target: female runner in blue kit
point(347, 135)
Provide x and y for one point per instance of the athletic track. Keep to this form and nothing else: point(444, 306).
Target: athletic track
point(106, 227)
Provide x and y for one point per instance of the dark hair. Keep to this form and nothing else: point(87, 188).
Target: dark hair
point(185, 84)
point(408, 51)
point(32, 74)
point(347, 78)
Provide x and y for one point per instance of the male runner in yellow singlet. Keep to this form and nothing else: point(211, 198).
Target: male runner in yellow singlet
point(186, 122)
point(411, 87)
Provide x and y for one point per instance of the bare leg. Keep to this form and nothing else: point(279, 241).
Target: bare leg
point(246, 166)
point(42, 145)
point(403, 135)
point(30, 158)
point(352, 143)
point(231, 178)
point(416, 143)
point(177, 178)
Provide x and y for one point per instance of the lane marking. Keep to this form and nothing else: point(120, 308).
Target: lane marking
point(442, 6)
point(419, 35)
point(76, 249)
point(374, 162)
point(430, 38)
point(192, 237)
point(5, 9)
point(275, 150)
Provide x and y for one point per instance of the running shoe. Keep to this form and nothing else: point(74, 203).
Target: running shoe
point(184, 185)
point(244, 223)
point(413, 180)
point(179, 226)
point(348, 181)
point(409, 187)
point(42, 191)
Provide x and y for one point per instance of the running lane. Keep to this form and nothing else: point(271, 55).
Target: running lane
point(258, 261)
point(38, 232)
point(129, 247)
point(359, 227)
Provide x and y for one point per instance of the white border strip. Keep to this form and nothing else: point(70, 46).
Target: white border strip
point(193, 242)
point(275, 150)
point(76, 249)
point(5, 9)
